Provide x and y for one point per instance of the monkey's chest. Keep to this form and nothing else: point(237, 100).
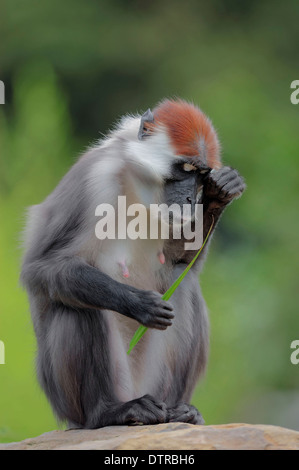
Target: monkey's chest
point(132, 262)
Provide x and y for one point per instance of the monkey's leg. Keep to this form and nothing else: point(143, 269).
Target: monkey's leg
point(184, 413)
point(74, 370)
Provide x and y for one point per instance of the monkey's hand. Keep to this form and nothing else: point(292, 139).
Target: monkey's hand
point(185, 413)
point(148, 308)
point(222, 186)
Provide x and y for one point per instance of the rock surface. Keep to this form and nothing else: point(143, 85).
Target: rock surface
point(170, 436)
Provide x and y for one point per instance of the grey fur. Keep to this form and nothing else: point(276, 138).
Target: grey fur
point(84, 313)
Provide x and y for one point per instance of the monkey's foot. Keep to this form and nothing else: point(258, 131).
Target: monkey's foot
point(184, 413)
point(146, 410)
point(143, 410)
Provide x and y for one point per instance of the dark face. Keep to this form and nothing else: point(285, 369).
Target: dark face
point(185, 185)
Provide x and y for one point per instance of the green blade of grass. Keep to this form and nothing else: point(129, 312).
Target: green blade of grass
point(142, 329)
point(137, 336)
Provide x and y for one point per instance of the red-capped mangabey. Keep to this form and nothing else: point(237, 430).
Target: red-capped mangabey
point(85, 310)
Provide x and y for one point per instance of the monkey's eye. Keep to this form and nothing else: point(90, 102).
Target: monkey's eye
point(189, 167)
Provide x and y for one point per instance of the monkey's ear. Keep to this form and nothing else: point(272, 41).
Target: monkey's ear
point(145, 118)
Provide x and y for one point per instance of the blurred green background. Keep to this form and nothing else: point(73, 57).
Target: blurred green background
point(71, 69)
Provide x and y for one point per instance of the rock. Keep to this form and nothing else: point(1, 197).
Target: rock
point(169, 436)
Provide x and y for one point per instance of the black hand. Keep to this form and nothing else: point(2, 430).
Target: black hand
point(148, 308)
point(223, 185)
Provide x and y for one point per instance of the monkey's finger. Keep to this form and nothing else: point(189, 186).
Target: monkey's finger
point(165, 313)
point(153, 403)
point(226, 177)
point(216, 174)
point(162, 303)
point(158, 326)
point(220, 170)
point(159, 320)
point(194, 417)
point(166, 305)
point(162, 317)
point(155, 413)
point(230, 184)
point(188, 417)
point(179, 418)
point(235, 186)
point(148, 411)
point(217, 179)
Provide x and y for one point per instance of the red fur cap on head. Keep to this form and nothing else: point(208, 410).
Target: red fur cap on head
point(190, 131)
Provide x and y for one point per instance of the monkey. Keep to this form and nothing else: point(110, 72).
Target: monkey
point(88, 296)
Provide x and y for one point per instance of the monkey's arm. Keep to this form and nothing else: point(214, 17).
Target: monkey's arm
point(73, 282)
point(220, 188)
